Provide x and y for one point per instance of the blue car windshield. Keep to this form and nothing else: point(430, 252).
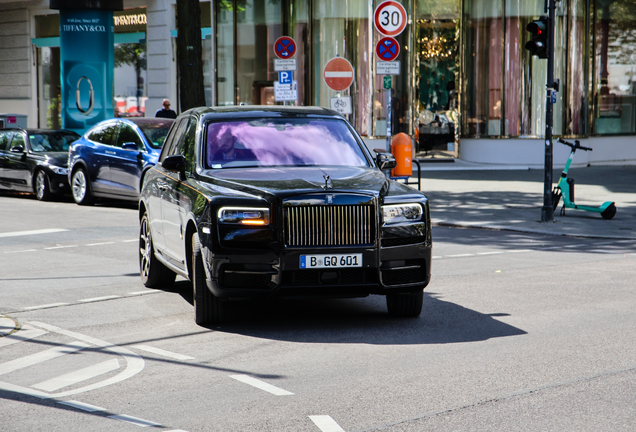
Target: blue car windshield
point(155, 130)
point(276, 142)
point(57, 141)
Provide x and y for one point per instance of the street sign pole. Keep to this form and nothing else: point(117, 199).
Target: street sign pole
point(388, 120)
point(547, 211)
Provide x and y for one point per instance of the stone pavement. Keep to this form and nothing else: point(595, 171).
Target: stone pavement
point(481, 196)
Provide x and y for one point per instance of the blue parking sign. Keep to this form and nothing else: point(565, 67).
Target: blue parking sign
point(285, 77)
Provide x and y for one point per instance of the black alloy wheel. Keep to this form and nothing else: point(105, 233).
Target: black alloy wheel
point(42, 186)
point(405, 305)
point(153, 273)
point(208, 309)
point(80, 187)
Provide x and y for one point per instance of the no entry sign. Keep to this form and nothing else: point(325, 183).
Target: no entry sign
point(387, 49)
point(338, 74)
point(284, 47)
point(390, 18)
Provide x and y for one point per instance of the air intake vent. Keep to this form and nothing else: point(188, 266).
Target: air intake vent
point(330, 225)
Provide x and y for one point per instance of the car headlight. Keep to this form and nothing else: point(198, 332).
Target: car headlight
point(399, 213)
point(59, 170)
point(244, 215)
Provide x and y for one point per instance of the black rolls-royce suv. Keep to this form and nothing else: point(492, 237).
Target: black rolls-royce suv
point(253, 202)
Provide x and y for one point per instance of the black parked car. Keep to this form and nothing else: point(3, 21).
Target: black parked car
point(253, 202)
point(33, 160)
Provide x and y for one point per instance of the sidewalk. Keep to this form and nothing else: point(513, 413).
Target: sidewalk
point(481, 196)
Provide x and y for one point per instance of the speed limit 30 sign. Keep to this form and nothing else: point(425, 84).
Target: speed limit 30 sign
point(390, 18)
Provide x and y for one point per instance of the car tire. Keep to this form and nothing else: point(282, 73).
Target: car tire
point(208, 309)
point(42, 186)
point(405, 305)
point(154, 274)
point(81, 188)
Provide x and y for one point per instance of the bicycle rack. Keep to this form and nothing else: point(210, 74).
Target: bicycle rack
point(419, 176)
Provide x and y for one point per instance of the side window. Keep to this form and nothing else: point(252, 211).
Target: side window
point(105, 134)
point(18, 140)
point(5, 137)
point(169, 140)
point(128, 135)
point(186, 145)
point(168, 147)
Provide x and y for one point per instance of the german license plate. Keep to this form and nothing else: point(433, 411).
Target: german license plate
point(330, 261)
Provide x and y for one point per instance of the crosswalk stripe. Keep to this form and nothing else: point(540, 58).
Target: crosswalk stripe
point(164, 353)
point(22, 335)
point(134, 420)
point(82, 406)
point(36, 232)
point(261, 385)
point(326, 423)
point(78, 376)
point(40, 357)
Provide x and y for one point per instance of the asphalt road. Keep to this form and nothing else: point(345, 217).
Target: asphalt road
point(520, 331)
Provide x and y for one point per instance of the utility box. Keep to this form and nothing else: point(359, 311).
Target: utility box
point(13, 121)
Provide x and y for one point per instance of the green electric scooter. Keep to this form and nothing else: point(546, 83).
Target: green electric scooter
point(565, 188)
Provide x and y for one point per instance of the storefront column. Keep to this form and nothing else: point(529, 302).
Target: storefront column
point(162, 72)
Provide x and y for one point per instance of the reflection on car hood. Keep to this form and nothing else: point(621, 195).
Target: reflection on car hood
point(284, 180)
point(59, 159)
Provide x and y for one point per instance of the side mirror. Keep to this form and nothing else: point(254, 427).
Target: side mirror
point(175, 164)
point(385, 161)
point(129, 146)
point(17, 149)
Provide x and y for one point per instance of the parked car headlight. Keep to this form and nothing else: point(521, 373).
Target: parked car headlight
point(399, 213)
point(59, 170)
point(244, 215)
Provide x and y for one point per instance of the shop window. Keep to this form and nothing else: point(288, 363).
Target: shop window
point(615, 67)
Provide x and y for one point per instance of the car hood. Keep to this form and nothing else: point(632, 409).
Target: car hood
point(283, 181)
point(59, 159)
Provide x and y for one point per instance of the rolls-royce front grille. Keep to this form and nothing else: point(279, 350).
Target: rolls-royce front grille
point(330, 225)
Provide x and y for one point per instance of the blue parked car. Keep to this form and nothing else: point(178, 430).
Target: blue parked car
point(110, 160)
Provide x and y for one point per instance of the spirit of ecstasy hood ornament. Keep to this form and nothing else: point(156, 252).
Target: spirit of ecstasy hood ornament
point(328, 184)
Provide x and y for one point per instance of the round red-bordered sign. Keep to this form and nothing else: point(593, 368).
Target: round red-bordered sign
point(338, 74)
point(284, 47)
point(387, 49)
point(390, 18)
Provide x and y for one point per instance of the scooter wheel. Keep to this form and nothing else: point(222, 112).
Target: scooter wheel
point(609, 212)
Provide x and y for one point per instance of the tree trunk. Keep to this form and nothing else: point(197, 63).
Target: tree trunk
point(189, 55)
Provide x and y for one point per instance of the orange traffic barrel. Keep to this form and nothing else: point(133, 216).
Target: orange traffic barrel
point(402, 150)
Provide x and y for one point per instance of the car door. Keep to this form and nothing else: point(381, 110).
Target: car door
point(127, 161)
point(173, 215)
point(16, 170)
point(154, 192)
point(97, 154)
point(5, 139)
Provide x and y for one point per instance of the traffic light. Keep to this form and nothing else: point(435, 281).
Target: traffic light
point(539, 44)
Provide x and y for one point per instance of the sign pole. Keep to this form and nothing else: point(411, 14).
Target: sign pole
point(547, 211)
point(388, 120)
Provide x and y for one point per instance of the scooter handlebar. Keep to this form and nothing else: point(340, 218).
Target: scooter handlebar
point(576, 145)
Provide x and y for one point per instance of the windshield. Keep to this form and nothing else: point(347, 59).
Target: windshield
point(57, 141)
point(270, 142)
point(155, 131)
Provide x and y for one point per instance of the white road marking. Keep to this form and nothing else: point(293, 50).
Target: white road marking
point(100, 244)
point(520, 250)
point(438, 257)
point(459, 255)
point(60, 247)
point(134, 420)
point(22, 335)
point(164, 353)
point(50, 305)
point(82, 406)
point(135, 364)
point(35, 232)
point(490, 253)
point(134, 293)
point(41, 356)
point(77, 376)
point(261, 385)
point(94, 299)
point(129, 241)
point(25, 250)
point(326, 423)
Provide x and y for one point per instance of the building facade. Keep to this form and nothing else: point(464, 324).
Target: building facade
point(466, 83)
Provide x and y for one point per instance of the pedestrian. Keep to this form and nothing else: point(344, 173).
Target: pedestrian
point(166, 112)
